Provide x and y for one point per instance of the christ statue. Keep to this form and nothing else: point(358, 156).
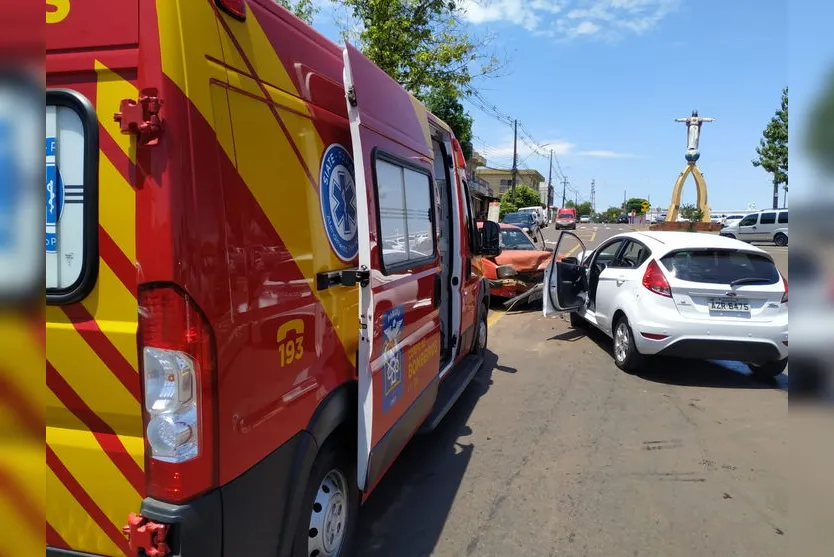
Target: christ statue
point(693, 129)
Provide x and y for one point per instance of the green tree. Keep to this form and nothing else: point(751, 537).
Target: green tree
point(525, 196)
point(444, 104)
point(584, 208)
point(819, 137)
point(570, 204)
point(612, 213)
point(635, 204)
point(305, 10)
point(423, 44)
point(691, 213)
point(773, 148)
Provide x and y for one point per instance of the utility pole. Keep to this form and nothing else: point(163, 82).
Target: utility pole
point(593, 196)
point(515, 160)
point(549, 186)
point(775, 192)
point(564, 188)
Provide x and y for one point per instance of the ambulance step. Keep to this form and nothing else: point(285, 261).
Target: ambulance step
point(450, 389)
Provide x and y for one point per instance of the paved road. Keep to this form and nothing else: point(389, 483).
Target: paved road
point(554, 451)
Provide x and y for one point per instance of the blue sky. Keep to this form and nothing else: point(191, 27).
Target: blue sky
point(602, 81)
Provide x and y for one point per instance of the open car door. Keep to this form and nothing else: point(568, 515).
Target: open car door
point(399, 262)
point(565, 280)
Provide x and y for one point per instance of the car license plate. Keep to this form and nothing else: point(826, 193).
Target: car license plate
point(729, 304)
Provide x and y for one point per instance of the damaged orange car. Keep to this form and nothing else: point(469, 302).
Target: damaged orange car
point(520, 265)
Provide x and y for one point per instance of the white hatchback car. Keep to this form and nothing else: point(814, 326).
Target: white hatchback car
point(678, 294)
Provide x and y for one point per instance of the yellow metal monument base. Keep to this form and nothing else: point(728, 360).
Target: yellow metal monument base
point(674, 208)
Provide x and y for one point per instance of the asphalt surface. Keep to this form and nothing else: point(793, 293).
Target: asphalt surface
point(554, 451)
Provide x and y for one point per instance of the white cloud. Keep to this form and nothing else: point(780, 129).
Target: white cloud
point(571, 19)
point(502, 152)
point(519, 12)
point(606, 154)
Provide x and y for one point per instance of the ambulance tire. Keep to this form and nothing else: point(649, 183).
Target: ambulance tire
point(482, 333)
point(330, 511)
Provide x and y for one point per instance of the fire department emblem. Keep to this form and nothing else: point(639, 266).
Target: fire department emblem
point(338, 201)
point(54, 196)
point(392, 356)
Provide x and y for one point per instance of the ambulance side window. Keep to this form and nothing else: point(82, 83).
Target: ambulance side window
point(404, 205)
point(71, 197)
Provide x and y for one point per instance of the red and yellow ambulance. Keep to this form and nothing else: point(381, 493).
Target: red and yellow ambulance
point(260, 280)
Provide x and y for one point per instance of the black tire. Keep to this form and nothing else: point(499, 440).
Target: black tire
point(780, 240)
point(769, 370)
point(629, 359)
point(575, 321)
point(480, 345)
point(336, 456)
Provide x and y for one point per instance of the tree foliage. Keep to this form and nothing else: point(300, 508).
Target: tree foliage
point(424, 45)
point(819, 137)
point(773, 146)
point(691, 213)
point(611, 213)
point(635, 204)
point(445, 105)
point(525, 196)
point(305, 10)
point(584, 208)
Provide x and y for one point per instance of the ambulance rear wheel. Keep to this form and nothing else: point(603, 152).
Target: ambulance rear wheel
point(327, 526)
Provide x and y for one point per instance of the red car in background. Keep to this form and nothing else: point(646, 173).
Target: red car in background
point(519, 267)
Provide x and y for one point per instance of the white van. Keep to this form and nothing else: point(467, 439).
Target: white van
point(541, 214)
point(762, 226)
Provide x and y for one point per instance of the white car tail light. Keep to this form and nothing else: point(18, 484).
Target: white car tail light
point(178, 376)
point(655, 280)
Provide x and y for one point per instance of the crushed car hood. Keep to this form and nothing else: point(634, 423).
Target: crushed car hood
point(524, 260)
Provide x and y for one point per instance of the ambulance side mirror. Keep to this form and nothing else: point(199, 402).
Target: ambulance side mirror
point(490, 239)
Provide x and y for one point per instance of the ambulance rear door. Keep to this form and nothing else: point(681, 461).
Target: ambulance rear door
point(398, 274)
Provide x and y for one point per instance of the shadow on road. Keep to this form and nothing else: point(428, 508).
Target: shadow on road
point(687, 373)
point(406, 513)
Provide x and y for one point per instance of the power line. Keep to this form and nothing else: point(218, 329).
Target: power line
point(481, 103)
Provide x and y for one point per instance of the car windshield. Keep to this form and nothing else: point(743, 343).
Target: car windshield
point(717, 266)
point(514, 239)
point(564, 216)
point(521, 218)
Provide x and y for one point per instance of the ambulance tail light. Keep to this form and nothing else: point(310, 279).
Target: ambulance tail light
point(460, 160)
point(235, 8)
point(178, 379)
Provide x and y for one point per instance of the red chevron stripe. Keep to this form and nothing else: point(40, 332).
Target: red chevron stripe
point(28, 415)
point(104, 434)
point(86, 502)
point(116, 259)
point(53, 538)
point(98, 341)
point(12, 491)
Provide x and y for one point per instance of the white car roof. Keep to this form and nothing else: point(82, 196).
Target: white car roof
point(662, 241)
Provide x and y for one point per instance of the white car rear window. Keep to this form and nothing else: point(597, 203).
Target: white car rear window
point(720, 266)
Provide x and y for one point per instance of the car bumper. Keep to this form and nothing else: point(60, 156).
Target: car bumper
point(714, 340)
point(509, 288)
point(564, 226)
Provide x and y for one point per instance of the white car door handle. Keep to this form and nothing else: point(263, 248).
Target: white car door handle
point(620, 279)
